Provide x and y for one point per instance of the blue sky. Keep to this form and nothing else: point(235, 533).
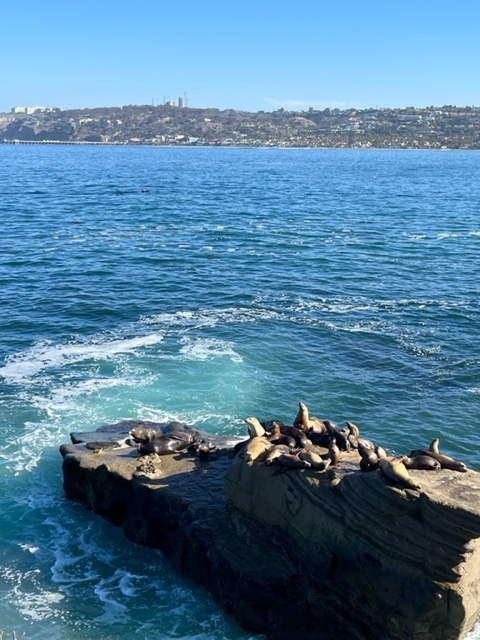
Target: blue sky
point(252, 55)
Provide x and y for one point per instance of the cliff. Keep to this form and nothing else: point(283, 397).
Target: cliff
point(297, 553)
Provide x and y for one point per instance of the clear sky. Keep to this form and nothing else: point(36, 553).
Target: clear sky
point(241, 54)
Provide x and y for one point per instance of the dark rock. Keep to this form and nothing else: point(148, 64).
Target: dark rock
point(339, 554)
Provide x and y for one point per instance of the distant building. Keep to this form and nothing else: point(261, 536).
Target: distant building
point(181, 102)
point(28, 110)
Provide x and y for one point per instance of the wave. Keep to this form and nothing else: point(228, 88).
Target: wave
point(24, 366)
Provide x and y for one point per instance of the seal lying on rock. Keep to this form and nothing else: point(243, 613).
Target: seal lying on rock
point(291, 461)
point(316, 461)
point(275, 452)
point(427, 463)
point(172, 437)
point(446, 462)
point(394, 469)
point(256, 448)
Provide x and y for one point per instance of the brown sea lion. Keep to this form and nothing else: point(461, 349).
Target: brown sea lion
point(426, 463)
point(316, 462)
point(394, 469)
point(255, 429)
point(369, 459)
point(204, 447)
point(307, 423)
point(365, 442)
point(269, 424)
point(320, 439)
point(334, 453)
point(298, 435)
point(340, 437)
point(277, 437)
point(445, 461)
point(353, 434)
point(256, 448)
point(290, 461)
point(275, 452)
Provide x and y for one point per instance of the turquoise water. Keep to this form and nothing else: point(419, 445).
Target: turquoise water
point(208, 285)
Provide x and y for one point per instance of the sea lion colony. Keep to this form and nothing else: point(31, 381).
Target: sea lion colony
point(308, 443)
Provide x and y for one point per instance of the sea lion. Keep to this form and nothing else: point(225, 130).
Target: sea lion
point(275, 452)
point(162, 446)
point(307, 423)
point(365, 442)
point(145, 434)
point(102, 445)
point(172, 437)
point(369, 459)
point(353, 434)
point(334, 453)
point(434, 445)
point(291, 461)
point(314, 459)
point(269, 424)
point(298, 435)
point(426, 463)
point(204, 447)
point(445, 461)
point(340, 437)
point(394, 469)
point(255, 429)
point(320, 439)
point(180, 430)
point(174, 429)
point(256, 448)
point(277, 437)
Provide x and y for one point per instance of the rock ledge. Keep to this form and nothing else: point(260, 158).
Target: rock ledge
point(298, 553)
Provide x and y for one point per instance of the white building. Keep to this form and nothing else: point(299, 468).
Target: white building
point(27, 109)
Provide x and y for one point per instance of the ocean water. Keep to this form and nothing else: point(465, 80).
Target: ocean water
point(208, 285)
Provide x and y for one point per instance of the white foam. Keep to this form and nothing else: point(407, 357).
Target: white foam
point(28, 595)
point(210, 317)
point(114, 611)
point(29, 547)
point(24, 366)
point(206, 348)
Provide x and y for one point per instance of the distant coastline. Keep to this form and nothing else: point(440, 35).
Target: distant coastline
point(446, 127)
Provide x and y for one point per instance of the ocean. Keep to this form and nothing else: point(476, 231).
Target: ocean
point(208, 285)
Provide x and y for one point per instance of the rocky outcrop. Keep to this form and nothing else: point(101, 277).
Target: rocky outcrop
point(297, 553)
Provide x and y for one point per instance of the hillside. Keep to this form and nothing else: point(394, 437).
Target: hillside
point(446, 127)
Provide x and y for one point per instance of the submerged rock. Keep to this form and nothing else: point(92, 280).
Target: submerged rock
point(296, 553)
